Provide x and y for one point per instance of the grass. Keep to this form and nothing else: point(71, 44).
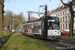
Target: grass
point(20, 42)
point(68, 37)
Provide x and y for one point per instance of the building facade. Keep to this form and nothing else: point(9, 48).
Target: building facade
point(64, 16)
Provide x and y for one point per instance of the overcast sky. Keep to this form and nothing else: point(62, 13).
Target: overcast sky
point(17, 6)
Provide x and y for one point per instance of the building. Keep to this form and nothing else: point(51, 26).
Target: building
point(64, 16)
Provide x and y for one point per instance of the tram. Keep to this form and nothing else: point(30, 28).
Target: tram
point(44, 28)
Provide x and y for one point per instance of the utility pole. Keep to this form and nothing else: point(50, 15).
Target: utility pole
point(29, 16)
point(45, 22)
point(45, 11)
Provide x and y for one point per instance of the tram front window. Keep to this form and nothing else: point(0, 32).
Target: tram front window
point(55, 26)
point(50, 26)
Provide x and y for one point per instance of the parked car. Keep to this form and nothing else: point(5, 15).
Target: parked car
point(64, 33)
point(18, 30)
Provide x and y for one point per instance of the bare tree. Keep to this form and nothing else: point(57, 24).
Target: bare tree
point(20, 18)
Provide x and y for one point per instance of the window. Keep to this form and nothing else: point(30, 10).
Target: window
point(60, 13)
point(68, 11)
point(63, 26)
point(25, 26)
point(66, 18)
point(60, 19)
point(63, 19)
point(55, 26)
point(35, 26)
point(50, 26)
point(63, 12)
point(56, 14)
point(66, 26)
point(39, 26)
point(31, 26)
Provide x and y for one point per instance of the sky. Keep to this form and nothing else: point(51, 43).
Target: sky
point(17, 6)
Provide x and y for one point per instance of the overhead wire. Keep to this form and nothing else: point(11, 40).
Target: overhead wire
point(38, 12)
point(47, 2)
point(39, 9)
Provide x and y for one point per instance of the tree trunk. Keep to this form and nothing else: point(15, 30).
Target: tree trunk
point(1, 18)
point(72, 20)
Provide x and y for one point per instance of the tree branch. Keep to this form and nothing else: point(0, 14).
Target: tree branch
point(64, 3)
point(73, 1)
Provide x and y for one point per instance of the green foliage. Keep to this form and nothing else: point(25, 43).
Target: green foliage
point(68, 37)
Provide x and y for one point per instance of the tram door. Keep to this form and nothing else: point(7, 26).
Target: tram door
point(44, 28)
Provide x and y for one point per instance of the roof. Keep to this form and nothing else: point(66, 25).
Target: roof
point(48, 13)
point(61, 7)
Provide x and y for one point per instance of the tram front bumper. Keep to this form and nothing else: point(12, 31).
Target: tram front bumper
point(54, 37)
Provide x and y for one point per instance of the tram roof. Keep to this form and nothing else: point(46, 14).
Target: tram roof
point(49, 17)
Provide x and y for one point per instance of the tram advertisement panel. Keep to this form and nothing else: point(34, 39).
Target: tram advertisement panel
point(35, 30)
point(25, 30)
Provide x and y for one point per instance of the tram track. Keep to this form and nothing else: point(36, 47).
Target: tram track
point(51, 44)
point(70, 41)
point(57, 44)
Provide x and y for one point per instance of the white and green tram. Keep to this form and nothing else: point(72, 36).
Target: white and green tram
point(44, 28)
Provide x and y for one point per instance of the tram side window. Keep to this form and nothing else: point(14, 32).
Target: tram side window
point(25, 26)
point(50, 26)
point(39, 26)
point(31, 26)
point(35, 26)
